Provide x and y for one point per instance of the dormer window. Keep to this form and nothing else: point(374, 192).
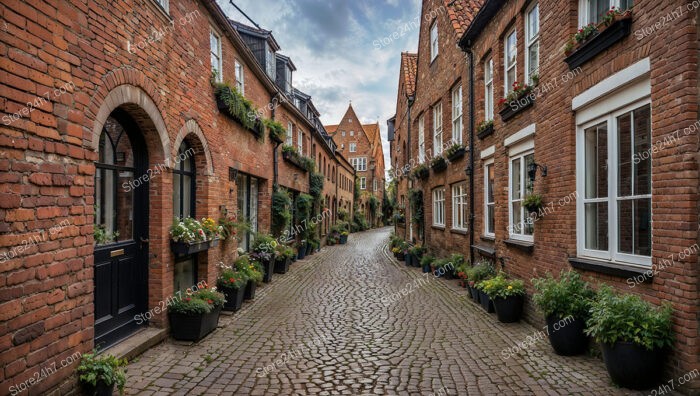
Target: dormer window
point(288, 79)
point(270, 61)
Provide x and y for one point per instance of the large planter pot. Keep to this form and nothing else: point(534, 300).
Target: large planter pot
point(426, 269)
point(250, 290)
point(343, 239)
point(509, 309)
point(281, 265)
point(409, 259)
point(309, 249)
point(269, 267)
point(193, 327)
point(632, 366)
point(476, 297)
point(301, 253)
point(400, 257)
point(234, 298)
point(101, 389)
point(416, 261)
point(486, 302)
point(567, 338)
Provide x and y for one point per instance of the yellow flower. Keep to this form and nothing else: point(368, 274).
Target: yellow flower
point(510, 287)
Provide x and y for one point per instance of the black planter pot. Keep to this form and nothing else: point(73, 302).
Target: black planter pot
point(568, 339)
point(309, 249)
point(250, 290)
point(234, 298)
point(281, 265)
point(101, 389)
point(486, 302)
point(423, 173)
point(488, 131)
point(515, 106)
point(509, 309)
point(193, 328)
point(439, 165)
point(459, 153)
point(269, 267)
point(301, 253)
point(426, 269)
point(476, 297)
point(343, 239)
point(416, 261)
point(183, 248)
point(409, 259)
point(633, 366)
point(400, 257)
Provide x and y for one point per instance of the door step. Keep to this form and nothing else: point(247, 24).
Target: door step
point(137, 343)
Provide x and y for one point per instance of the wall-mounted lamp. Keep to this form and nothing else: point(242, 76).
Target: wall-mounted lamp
point(532, 171)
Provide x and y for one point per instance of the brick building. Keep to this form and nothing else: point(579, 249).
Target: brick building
point(608, 138)
point(110, 130)
point(361, 145)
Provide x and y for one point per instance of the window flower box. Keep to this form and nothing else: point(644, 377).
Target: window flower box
point(605, 37)
point(240, 109)
point(520, 103)
point(291, 155)
point(187, 248)
point(455, 152)
point(438, 164)
point(421, 172)
point(484, 129)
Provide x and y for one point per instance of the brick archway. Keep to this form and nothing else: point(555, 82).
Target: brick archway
point(191, 127)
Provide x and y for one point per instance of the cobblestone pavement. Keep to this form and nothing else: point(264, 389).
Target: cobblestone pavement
point(322, 329)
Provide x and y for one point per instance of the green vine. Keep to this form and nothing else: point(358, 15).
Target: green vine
point(281, 215)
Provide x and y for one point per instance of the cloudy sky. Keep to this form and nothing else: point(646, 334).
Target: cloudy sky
point(343, 49)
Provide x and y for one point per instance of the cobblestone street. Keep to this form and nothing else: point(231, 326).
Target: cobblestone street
point(323, 329)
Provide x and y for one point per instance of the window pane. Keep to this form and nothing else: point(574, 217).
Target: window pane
point(492, 220)
point(624, 166)
point(491, 176)
point(177, 197)
point(534, 22)
point(625, 226)
point(184, 274)
point(596, 9)
point(529, 160)
point(642, 144)
point(642, 232)
point(596, 225)
point(515, 177)
point(187, 196)
point(517, 218)
point(533, 58)
point(596, 155)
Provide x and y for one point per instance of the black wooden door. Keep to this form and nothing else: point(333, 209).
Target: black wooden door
point(121, 231)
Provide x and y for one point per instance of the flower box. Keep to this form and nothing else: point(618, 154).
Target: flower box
point(486, 302)
point(185, 248)
point(422, 173)
point(281, 265)
point(438, 164)
point(193, 327)
point(453, 155)
point(486, 132)
point(343, 239)
point(250, 290)
point(515, 106)
point(269, 267)
point(234, 298)
point(293, 159)
point(599, 42)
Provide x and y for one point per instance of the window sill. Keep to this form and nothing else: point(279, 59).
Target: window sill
point(491, 238)
point(522, 245)
point(438, 227)
point(458, 231)
point(160, 10)
point(485, 251)
point(610, 268)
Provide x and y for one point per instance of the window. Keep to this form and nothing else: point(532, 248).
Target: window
point(437, 129)
point(271, 61)
point(343, 133)
point(288, 80)
point(363, 183)
point(421, 139)
point(300, 141)
point(439, 207)
point(240, 78)
point(352, 133)
point(488, 84)
point(350, 120)
point(164, 4)
point(460, 215)
point(614, 216)
point(433, 41)
point(457, 115)
point(215, 49)
point(290, 134)
point(520, 224)
point(592, 11)
point(510, 61)
point(532, 41)
point(489, 200)
point(375, 185)
point(353, 147)
point(185, 270)
point(360, 164)
point(247, 207)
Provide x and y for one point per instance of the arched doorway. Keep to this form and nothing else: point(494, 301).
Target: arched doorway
point(121, 229)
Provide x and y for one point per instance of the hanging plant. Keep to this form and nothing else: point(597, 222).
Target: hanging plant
point(277, 132)
point(281, 213)
point(316, 185)
point(533, 203)
point(415, 198)
point(236, 106)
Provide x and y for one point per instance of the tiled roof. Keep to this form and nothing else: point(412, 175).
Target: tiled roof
point(461, 13)
point(409, 66)
point(331, 128)
point(372, 131)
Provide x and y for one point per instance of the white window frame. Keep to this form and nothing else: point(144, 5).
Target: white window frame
point(363, 183)
point(421, 139)
point(612, 254)
point(487, 165)
point(300, 141)
point(437, 129)
point(343, 133)
point(434, 41)
point(488, 90)
point(215, 55)
point(584, 17)
point(439, 207)
point(375, 185)
point(352, 133)
point(240, 77)
point(290, 133)
point(359, 163)
point(507, 84)
point(524, 180)
point(164, 4)
point(460, 212)
point(457, 115)
point(531, 41)
point(353, 147)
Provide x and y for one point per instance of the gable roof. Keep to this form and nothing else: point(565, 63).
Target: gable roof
point(462, 13)
point(331, 128)
point(409, 68)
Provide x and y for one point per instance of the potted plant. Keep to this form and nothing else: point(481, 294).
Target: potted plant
point(533, 203)
point(484, 129)
point(344, 237)
point(507, 296)
point(277, 132)
point(634, 336)
point(480, 273)
point(301, 249)
point(567, 300)
point(516, 100)
point(416, 253)
point(438, 164)
point(399, 251)
point(282, 260)
point(264, 253)
point(455, 151)
point(99, 374)
point(253, 271)
point(189, 236)
point(232, 283)
point(421, 172)
point(195, 315)
point(427, 262)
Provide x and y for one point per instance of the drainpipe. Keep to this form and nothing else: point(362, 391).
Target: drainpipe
point(409, 102)
point(470, 166)
point(275, 158)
